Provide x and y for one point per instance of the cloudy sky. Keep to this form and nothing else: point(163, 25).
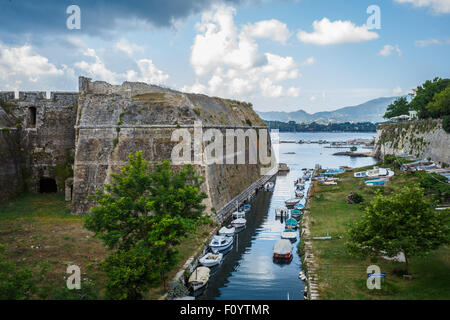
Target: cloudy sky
point(280, 55)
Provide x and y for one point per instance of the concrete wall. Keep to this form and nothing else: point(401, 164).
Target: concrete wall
point(420, 138)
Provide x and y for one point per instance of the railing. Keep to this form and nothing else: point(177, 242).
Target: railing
point(233, 205)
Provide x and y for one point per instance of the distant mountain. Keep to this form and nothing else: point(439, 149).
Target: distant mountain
point(370, 111)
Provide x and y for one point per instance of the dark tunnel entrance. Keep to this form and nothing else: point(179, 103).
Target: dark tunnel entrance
point(47, 185)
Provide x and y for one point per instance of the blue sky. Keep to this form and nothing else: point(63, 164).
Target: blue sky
point(282, 55)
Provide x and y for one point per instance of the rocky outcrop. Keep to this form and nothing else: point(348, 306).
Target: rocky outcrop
point(424, 139)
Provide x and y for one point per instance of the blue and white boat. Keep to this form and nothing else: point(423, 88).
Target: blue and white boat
point(334, 172)
point(246, 208)
point(220, 243)
point(299, 206)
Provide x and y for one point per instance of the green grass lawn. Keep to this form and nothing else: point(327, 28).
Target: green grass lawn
point(342, 276)
point(39, 230)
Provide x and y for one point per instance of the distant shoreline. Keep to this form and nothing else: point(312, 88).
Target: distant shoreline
point(364, 127)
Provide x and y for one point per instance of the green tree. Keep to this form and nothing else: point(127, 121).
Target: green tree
point(398, 107)
point(404, 222)
point(440, 106)
point(425, 93)
point(15, 283)
point(434, 183)
point(143, 215)
point(353, 148)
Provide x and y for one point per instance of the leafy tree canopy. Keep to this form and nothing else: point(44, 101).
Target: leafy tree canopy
point(425, 93)
point(398, 107)
point(142, 215)
point(404, 222)
point(440, 105)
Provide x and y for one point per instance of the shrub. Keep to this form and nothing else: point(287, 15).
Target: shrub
point(354, 198)
point(177, 290)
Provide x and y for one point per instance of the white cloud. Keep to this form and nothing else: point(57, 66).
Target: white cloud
point(438, 6)
point(397, 90)
point(427, 42)
point(19, 62)
point(228, 62)
point(328, 32)
point(389, 49)
point(127, 47)
point(147, 71)
point(308, 62)
point(272, 29)
point(96, 69)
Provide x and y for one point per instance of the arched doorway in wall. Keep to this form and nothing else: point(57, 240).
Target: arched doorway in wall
point(47, 185)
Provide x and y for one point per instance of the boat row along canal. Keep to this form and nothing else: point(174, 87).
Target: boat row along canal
point(254, 266)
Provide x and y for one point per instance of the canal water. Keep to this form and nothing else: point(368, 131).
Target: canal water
point(248, 270)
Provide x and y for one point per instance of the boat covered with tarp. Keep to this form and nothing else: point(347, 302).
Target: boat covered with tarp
point(199, 278)
point(282, 249)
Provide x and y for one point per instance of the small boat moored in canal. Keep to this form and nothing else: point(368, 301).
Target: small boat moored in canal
point(282, 249)
point(199, 278)
point(295, 213)
point(211, 259)
point(245, 207)
point(291, 223)
point(299, 206)
point(239, 220)
point(281, 211)
point(220, 243)
point(269, 186)
point(298, 194)
point(292, 202)
point(289, 234)
point(225, 231)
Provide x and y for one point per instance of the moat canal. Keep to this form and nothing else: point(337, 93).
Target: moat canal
point(248, 270)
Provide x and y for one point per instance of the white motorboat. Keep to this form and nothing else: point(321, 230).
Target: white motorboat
point(239, 222)
point(360, 174)
point(292, 202)
point(379, 172)
point(224, 231)
point(239, 219)
point(289, 234)
point(281, 211)
point(211, 259)
point(220, 243)
point(199, 278)
point(298, 194)
point(269, 186)
point(238, 214)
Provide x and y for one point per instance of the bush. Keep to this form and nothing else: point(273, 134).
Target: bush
point(354, 198)
point(177, 290)
point(389, 159)
point(87, 292)
point(446, 123)
point(15, 283)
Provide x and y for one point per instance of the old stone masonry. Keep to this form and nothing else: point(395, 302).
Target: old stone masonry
point(70, 142)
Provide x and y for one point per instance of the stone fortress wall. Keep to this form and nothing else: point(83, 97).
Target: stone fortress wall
point(75, 140)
